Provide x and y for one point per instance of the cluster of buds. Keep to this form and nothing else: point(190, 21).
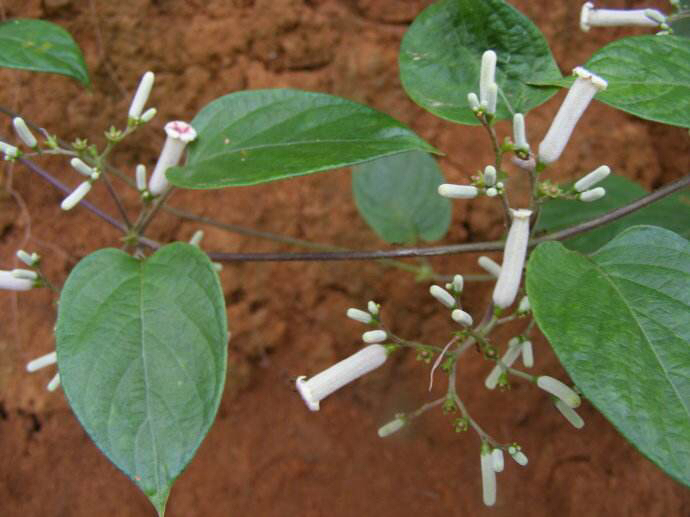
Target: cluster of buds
point(42, 362)
point(141, 96)
point(368, 317)
point(449, 298)
point(517, 346)
point(85, 187)
point(591, 17)
point(22, 279)
point(584, 185)
point(484, 183)
point(566, 400)
point(492, 463)
point(488, 89)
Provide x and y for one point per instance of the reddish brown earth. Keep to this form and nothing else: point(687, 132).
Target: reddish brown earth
point(266, 455)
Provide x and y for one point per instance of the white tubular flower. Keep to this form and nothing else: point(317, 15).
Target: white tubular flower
point(489, 176)
point(54, 383)
point(374, 336)
point(519, 132)
point(527, 354)
point(77, 195)
point(373, 307)
point(8, 150)
point(10, 282)
point(442, 296)
point(579, 96)
point(462, 317)
point(559, 390)
point(26, 274)
point(28, 259)
point(489, 266)
point(458, 283)
point(514, 253)
point(592, 195)
point(591, 179)
point(492, 98)
point(41, 362)
point(196, 238)
point(570, 414)
point(509, 357)
point(391, 427)
point(497, 459)
point(458, 191)
point(358, 315)
point(320, 386)
point(24, 133)
point(141, 178)
point(591, 17)
point(141, 95)
point(488, 477)
point(473, 101)
point(148, 115)
point(487, 76)
point(81, 167)
point(517, 454)
point(179, 135)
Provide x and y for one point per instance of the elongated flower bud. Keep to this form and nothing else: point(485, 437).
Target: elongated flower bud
point(527, 354)
point(509, 357)
point(41, 362)
point(492, 98)
point(391, 427)
point(24, 133)
point(148, 115)
point(559, 390)
point(196, 238)
point(517, 454)
point(457, 191)
point(579, 96)
point(506, 288)
point(462, 317)
point(323, 384)
point(519, 132)
point(570, 414)
point(358, 315)
point(591, 17)
point(8, 150)
point(179, 134)
point(374, 336)
point(28, 259)
point(141, 178)
point(473, 101)
point(489, 266)
point(373, 307)
point(81, 167)
point(54, 383)
point(592, 195)
point(442, 296)
point(77, 195)
point(487, 76)
point(497, 458)
point(489, 176)
point(591, 179)
point(24, 273)
point(10, 282)
point(141, 95)
point(458, 283)
point(488, 477)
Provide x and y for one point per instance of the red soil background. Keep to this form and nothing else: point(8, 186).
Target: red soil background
point(266, 454)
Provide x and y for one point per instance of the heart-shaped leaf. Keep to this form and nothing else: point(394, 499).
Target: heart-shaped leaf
point(618, 321)
point(42, 47)
point(397, 196)
point(441, 53)
point(253, 137)
point(142, 353)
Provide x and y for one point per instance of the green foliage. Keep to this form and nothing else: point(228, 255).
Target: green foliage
point(441, 54)
point(142, 352)
point(257, 136)
point(42, 47)
point(618, 321)
point(672, 213)
point(680, 24)
point(397, 196)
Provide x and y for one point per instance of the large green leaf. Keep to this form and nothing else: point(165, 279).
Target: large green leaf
point(619, 323)
point(252, 137)
point(441, 54)
point(672, 213)
point(142, 352)
point(680, 24)
point(42, 47)
point(397, 196)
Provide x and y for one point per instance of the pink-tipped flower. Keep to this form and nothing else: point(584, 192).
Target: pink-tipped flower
point(179, 134)
point(76, 196)
point(24, 133)
point(559, 390)
point(513, 259)
point(580, 94)
point(317, 388)
point(487, 77)
point(10, 282)
point(591, 17)
point(141, 95)
point(488, 476)
point(458, 191)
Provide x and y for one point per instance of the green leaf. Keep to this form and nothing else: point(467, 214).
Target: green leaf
point(648, 76)
point(441, 54)
point(397, 196)
point(680, 24)
point(618, 322)
point(42, 47)
point(672, 213)
point(142, 352)
point(257, 136)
